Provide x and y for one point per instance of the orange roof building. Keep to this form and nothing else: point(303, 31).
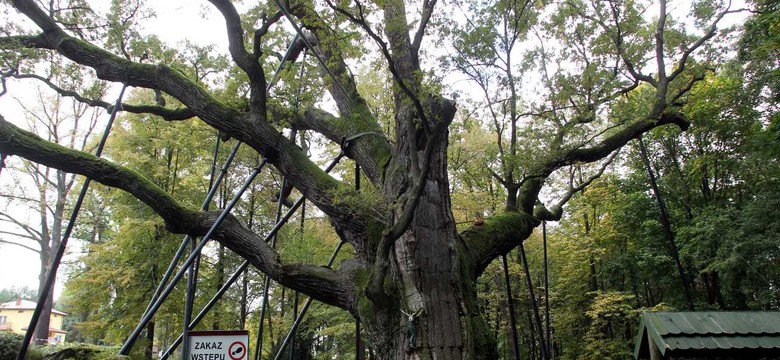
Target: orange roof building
point(15, 316)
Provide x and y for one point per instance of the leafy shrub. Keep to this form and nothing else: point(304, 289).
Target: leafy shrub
point(9, 345)
point(81, 352)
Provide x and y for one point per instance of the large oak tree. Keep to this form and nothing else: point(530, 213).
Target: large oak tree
point(409, 256)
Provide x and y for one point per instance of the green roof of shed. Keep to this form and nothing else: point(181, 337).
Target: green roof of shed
point(700, 333)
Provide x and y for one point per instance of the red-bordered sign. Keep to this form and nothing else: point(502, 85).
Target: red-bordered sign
point(237, 350)
point(218, 345)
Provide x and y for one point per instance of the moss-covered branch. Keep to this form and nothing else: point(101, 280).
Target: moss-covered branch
point(15, 141)
point(367, 144)
point(496, 236)
point(320, 283)
point(501, 232)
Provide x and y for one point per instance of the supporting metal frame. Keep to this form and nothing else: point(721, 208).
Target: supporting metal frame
point(152, 308)
point(305, 308)
point(190, 259)
point(510, 303)
point(534, 305)
point(548, 321)
point(283, 220)
point(266, 278)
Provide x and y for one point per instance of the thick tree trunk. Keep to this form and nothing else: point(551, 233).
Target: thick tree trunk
point(433, 312)
point(42, 327)
point(423, 299)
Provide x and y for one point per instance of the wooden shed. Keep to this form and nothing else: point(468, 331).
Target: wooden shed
point(709, 335)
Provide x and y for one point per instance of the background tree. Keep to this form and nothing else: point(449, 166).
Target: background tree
point(35, 204)
point(714, 175)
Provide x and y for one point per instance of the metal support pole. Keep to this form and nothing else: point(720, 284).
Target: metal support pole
point(203, 207)
point(296, 295)
point(359, 350)
point(295, 316)
point(510, 303)
point(196, 320)
point(266, 279)
point(305, 308)
point(547, 291)
point(190, 297)
point(47, 285)
point(358, 341)
point(214, 185)
point(245, 264)
point(534, 305)
point(357, 177)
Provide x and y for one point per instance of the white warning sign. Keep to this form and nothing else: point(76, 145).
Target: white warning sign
point(219, 345)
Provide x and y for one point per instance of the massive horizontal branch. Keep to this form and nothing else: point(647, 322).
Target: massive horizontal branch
point(496, 236)
point(501, 232)
point(15, 141)
point(320, 283)
point(619, 138)
point(529, 192)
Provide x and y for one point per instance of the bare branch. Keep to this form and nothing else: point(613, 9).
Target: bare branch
point(427, 11)
point(18, 235)
point(165, 113)
point(698, 43)
point(659, 45)
point(556, 211)
point(34, 234)
point(18, 244)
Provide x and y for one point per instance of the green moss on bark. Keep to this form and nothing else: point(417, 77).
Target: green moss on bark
point(496, 236)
